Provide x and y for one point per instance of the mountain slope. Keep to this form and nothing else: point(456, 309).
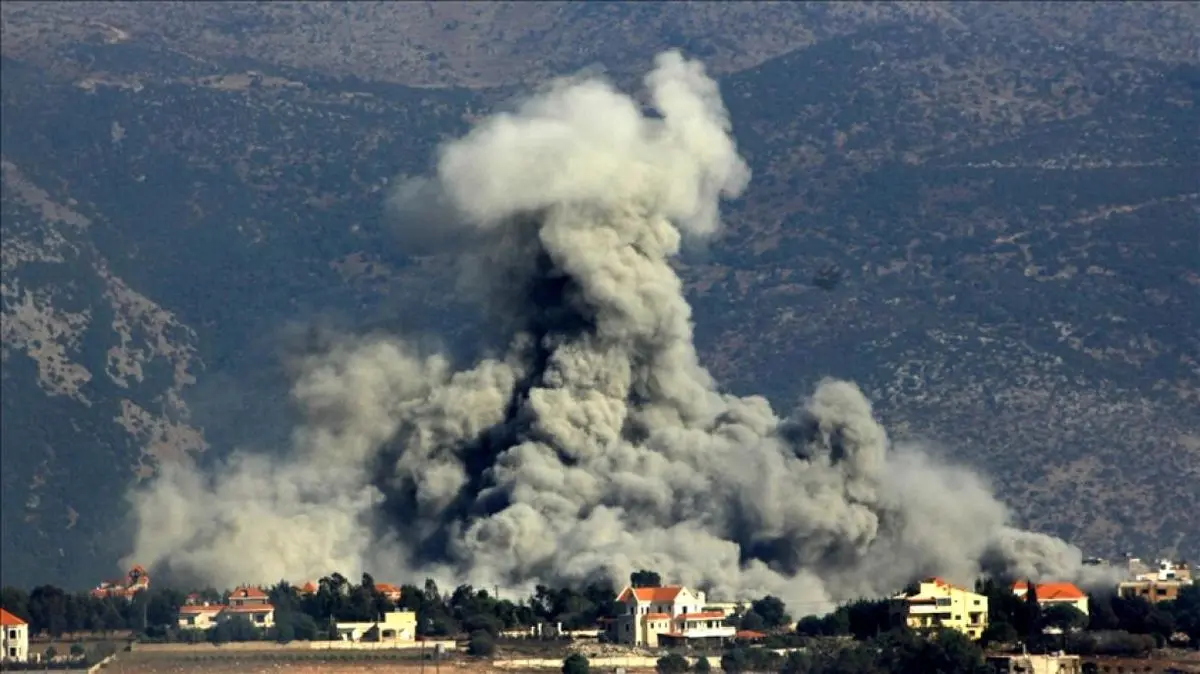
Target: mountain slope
point(1002, 233)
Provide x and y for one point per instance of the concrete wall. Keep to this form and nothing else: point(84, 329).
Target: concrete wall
point(270, 646)
point(628, 662)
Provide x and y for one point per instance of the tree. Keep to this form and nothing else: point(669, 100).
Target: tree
point(51, 653)
point(734, 661)
point(946, 652)
point(752, 621)
point(811, 626)
point(867, 618)
point(575, 663)
point(162, 606)
point(999, 633)
point(1101, 616)
point(1064, 617)
point(645, 578)
point(481, 644)
point(1186, 611)
point(798, 663)
point(237, 628)
point(15, 601)
point(1004, 606)
point(773, 612)
point(672, 663)
point(48, 610)
point(702, 666)
point(1033, 611)
point(78, 651)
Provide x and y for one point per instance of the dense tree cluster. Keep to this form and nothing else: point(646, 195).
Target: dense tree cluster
point(52, 610)
point(466, 610)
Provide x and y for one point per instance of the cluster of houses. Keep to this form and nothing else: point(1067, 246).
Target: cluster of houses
point(255, 605)
point(670, 616)
point(663, 616)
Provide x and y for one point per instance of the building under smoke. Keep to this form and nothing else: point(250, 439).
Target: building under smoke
point(596, 443)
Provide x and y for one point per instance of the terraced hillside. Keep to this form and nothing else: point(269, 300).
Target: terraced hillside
point(994, 230)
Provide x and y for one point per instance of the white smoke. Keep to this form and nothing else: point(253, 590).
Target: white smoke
point(597, 444)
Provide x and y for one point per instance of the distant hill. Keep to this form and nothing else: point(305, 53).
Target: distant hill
point(984, 213)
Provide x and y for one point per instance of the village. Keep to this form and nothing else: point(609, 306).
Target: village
point(645, 622)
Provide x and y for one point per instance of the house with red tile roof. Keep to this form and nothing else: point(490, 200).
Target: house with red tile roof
point(135, 581)
point(251, 602)
point(14, 638)
point(667, 615)
point(1051, 594)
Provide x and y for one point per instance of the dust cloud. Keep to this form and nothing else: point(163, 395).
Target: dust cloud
point(595, 443)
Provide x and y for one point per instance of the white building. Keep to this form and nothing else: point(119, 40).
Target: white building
point(395, 626)
point(250, 602)
point(14, 639)
point(653, 615)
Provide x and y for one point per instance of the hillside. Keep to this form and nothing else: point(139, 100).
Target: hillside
point(1008, 228)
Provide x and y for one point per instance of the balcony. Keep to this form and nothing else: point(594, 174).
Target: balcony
point(699, 632)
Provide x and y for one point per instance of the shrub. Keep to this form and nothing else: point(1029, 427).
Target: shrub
point(672, 663)
point(481, 644)
point(575, 663)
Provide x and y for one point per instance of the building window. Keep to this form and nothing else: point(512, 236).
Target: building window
point(12, 634)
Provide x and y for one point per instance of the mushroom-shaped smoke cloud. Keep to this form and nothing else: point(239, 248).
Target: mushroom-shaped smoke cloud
point(597, 443)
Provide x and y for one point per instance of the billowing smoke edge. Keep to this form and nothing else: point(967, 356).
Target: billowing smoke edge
point(595, 443)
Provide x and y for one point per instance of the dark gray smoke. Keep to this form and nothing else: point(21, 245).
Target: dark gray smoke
point(596, 443)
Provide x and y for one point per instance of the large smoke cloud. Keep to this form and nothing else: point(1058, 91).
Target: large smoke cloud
point(597, 443)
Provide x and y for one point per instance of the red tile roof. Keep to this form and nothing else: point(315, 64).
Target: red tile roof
point(387, 589)
point(651, 594)
point(1052, 591)
point(248, 593)
point(7, 619)
point(750, 635)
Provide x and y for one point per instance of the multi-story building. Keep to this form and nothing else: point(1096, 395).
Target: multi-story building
point(250, 602)
point(653, 616)
point(1160, 570)
point(1160, 580)
point(939, 604)
point(1051, 594)
point(1153, 591)
point(14, 638)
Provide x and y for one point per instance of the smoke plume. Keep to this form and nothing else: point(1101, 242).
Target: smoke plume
point(596, 443)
